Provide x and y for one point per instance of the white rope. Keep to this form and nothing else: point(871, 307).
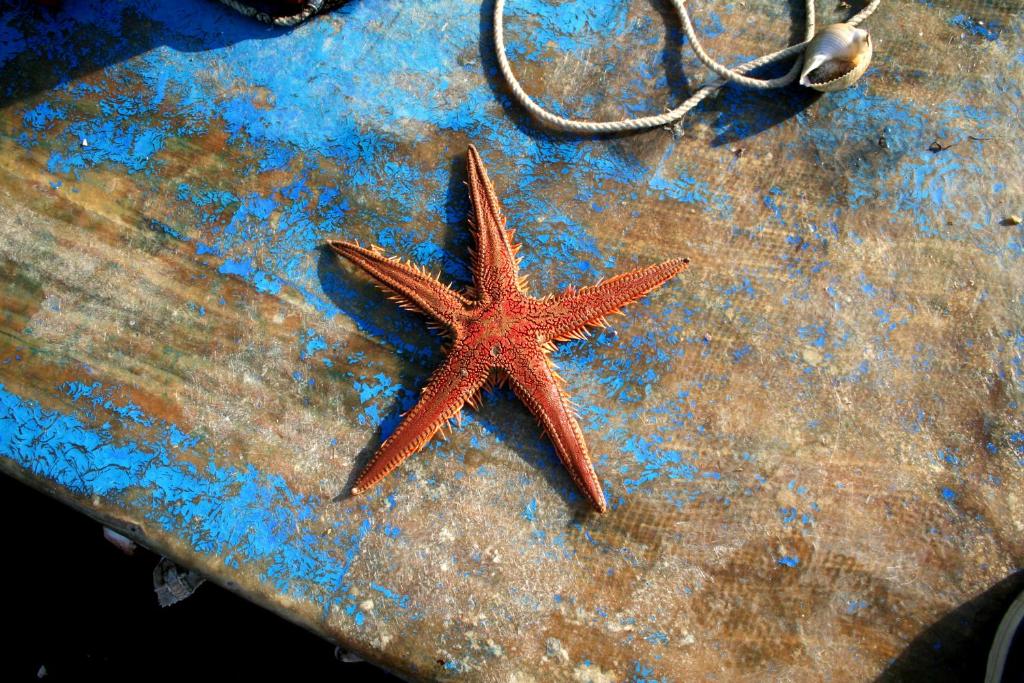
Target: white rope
point(736, 75)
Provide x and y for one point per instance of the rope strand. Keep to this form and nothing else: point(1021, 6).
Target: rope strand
point(309, 9)
point(725, 75)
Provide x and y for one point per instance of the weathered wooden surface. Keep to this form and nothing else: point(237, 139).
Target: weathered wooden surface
point(812, 442)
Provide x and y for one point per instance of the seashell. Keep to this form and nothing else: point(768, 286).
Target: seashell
point(836, 57)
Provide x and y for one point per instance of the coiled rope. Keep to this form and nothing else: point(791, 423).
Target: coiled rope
point(308, 9)
point(725, 75)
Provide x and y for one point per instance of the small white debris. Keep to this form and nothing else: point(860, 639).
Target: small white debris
point(556, 650)
point(172, 583)
point(811, 356)
point(343, 655)
point(42, 672)
point(85, 143)
point(121, 542)
point(591, 673)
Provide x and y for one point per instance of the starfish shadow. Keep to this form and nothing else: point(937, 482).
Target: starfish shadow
point(368, 306)
point(457, 240)
point(504, 415)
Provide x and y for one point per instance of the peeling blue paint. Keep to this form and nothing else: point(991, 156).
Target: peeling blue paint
point(239, 514)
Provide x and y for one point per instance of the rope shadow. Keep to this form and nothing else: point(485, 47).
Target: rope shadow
point(739, 115)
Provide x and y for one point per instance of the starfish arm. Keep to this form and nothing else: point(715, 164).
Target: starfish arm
point(535, 383)
point(410, 285)
point(569, 314)
point(495, 264)
point(450, 387)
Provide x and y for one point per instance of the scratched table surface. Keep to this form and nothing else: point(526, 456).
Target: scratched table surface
point(812, 441)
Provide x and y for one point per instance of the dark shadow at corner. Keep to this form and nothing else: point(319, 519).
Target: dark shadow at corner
point(64, 43)
point(956, 647)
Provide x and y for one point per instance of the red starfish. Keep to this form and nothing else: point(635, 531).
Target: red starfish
point(498, 333)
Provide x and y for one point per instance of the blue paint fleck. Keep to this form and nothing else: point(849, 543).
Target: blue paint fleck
point(401, 601)
point(854, 606)
point(975, 27)
point(530, 511)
